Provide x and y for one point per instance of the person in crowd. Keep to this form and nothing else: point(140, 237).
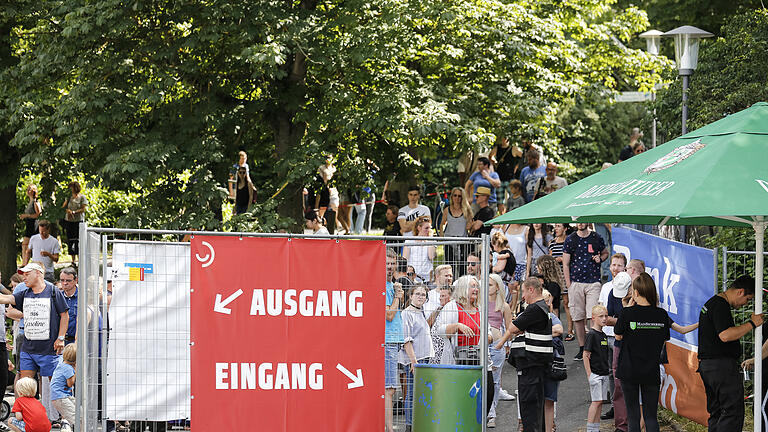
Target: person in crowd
point(596, 365)
point(457, 218)
point(535, 328)
point(556, 250)
point(551, 182)
point(467, 329)
point(499, 314)
point(505, 159)
point(28, 414)
point(243, 191)
point(420, 257)
point(618, 265)
point(45, 248)
point(605, 166)
point(537, 244)
point(516, 198)
point(45, 327)
point(31, 214)
point(68, 279)
point(516, 235)
point(551, 386)
point(16, 316)
point(530, 175)
point(484, 177)
point(631, 150)
point(483, 214)
point(473, 264)
point(446, 314)
point(75, 207)
point(553, 278)
point(443, 278)
point(408, 214)
point(634, 141)
point(392, 226)
point(503, 264)
point(62, 383)
point(583, 252)
point(614, 304)
point(635, 267)
point(314, 223)
point(417, 343)
point(749, 364)
point(527, 145)
point(327, 196)
point(719, 353)
point(393, 337)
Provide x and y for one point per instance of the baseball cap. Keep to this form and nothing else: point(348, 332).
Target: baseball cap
point(31, 266)
point(621, 284)
point(482, 190)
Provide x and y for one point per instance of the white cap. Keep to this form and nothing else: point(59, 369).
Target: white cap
point(621, 284)
point(31, 266)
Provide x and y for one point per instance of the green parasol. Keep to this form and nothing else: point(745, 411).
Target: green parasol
point(715, 175)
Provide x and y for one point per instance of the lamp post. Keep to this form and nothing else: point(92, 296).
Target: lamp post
point(686, 58)
point(653, 45)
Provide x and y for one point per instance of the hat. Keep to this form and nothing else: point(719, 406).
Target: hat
point(482, 190)
point(621, 284)
point(31, 266)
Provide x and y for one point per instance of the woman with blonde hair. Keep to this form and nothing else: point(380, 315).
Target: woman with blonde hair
point(499, 314)
point(30, 216)
point(467, 327)
point(420, 257)
point(457, 216)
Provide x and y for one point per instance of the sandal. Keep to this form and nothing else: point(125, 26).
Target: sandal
point(569, 337)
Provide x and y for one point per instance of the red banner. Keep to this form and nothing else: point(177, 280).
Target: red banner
point(287, 334)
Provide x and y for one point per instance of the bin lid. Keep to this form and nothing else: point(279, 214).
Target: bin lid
point(447, 366)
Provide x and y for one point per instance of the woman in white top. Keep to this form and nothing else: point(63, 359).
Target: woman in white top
point(417, 347)
point(315, 223)
point(499, 315)
point(457, 217)
point(445, 315)
point(420, 257)
point(537, 245)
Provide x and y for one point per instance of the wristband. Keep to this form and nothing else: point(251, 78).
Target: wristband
point(753, 324)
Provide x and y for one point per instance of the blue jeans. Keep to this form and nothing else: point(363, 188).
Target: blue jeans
point(359, 218)
point(409, 392)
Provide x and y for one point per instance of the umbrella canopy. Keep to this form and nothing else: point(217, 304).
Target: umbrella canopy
point(715, 175)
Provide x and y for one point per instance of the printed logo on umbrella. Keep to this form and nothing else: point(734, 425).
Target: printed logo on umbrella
point(675, 156)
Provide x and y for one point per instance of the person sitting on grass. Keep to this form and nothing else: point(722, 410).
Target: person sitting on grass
point(29, 414)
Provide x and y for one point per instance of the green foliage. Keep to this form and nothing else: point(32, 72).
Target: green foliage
point(155, 98)
point(730, 77)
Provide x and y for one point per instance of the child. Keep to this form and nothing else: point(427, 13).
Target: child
point(30, 415)
point(516, 199)
point(596, 358)
point(62, 381)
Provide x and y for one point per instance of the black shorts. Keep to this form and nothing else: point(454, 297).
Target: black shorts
point(30, 228)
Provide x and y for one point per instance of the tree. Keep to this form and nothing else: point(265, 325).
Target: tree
point(157, 96)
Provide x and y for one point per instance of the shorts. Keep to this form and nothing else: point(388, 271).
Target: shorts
point(18, 423)
point(501, 192)
point(66, 407)
point(519, 273)
point(550, 389)
point(598, 387)
point(45, 363)
point(582, 298)
point(390, 364)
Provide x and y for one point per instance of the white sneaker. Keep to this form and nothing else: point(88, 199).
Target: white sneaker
point(503, 395)
point(492, 422)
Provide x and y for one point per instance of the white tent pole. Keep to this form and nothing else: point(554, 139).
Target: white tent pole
point(758, 381)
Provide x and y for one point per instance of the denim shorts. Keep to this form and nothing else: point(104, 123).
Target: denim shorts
point(18, 423)
point(390, 364)
point(46, 364)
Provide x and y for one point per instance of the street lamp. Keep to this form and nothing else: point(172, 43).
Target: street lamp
point(653, 45)
point(686, 57)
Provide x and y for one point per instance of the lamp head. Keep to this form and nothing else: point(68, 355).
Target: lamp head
point(687, 47)
point(652, 41)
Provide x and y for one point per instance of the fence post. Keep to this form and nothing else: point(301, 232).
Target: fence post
point(484, 271)
point(725, 268)
point(82, 388)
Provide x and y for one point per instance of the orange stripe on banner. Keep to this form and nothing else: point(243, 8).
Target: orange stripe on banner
point(682, 390)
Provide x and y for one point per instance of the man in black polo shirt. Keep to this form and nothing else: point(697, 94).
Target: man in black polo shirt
point(719, 353)
point(483, 215)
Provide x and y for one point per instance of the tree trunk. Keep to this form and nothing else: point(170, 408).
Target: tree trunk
point(10, 167)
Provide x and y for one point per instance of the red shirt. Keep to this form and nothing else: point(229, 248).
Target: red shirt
point(471, 320)
point(33, 414)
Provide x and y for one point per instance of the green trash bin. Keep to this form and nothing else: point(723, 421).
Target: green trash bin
point(447, 398)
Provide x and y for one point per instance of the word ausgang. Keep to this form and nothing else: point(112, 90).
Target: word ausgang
point(631, 187)
point(269, 376)
point(307, 303)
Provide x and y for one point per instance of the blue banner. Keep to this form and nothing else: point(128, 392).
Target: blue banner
point(684, 274)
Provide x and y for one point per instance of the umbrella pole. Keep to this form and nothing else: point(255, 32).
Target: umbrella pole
point(758, 381)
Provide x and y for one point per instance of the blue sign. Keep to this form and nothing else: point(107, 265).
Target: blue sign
point(147, 267)
point(684, 274)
